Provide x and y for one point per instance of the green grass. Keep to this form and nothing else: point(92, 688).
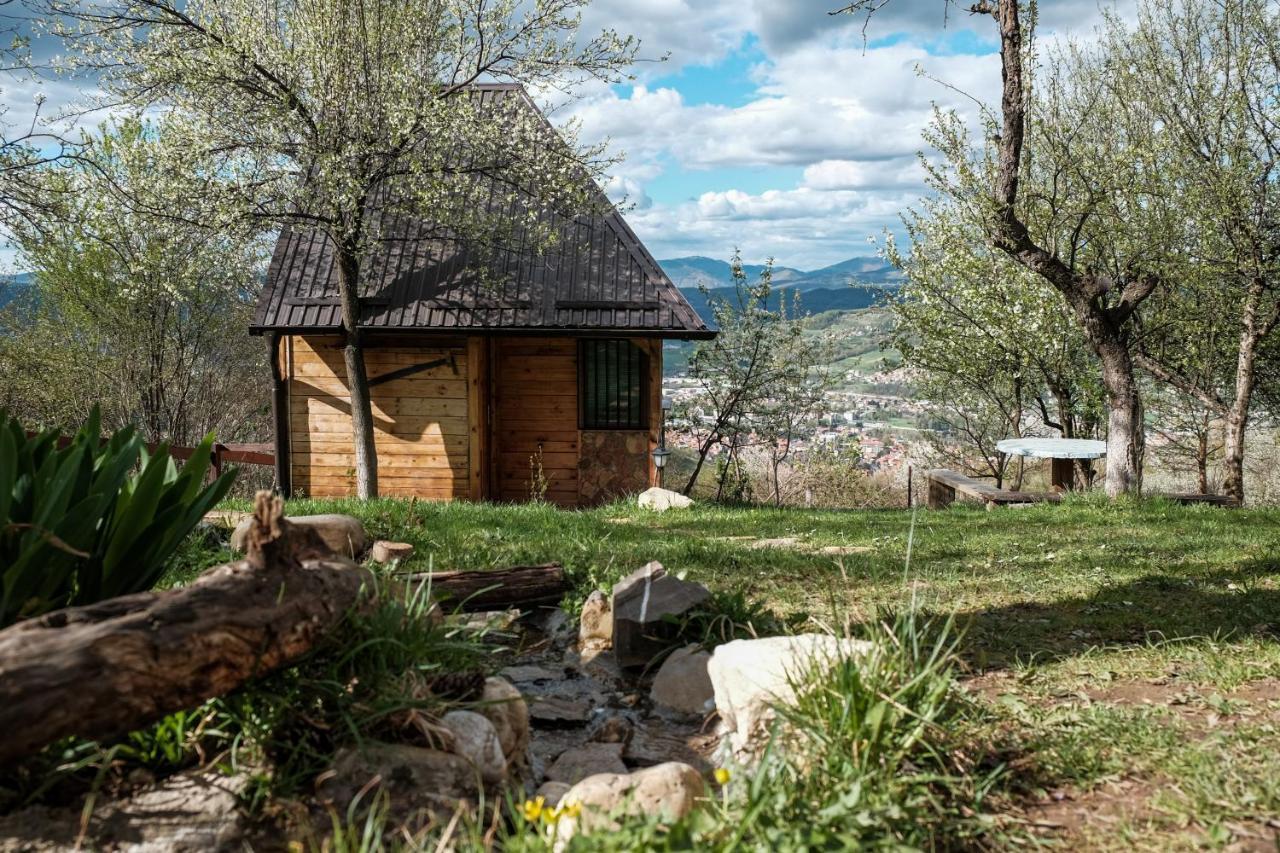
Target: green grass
point(1084, 587)
point(1071, 603)
point(1108, 647)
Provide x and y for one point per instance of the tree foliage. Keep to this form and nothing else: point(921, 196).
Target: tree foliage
point(759, 379)
point(1000, 354)
point(140, 313)
point(324, 110)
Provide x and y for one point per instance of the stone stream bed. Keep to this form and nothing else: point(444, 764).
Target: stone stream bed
point(585, 717)
point(614, 711)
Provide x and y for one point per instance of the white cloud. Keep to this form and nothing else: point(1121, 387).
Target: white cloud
point(697, 32)
point(847, 112)
point(800, 226)
point(896, 173)
point(628, 193)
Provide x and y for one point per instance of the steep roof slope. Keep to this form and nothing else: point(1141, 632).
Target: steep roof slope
point(598, 279)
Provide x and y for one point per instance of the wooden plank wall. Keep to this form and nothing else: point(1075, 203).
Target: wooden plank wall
point(423, 422)
point(535, 405)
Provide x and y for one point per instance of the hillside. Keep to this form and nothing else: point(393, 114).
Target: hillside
point(846, 297)
point(13, 287)
point(812, 302)
point(696, 271)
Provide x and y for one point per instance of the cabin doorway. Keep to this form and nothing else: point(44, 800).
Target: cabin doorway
point(534, 420)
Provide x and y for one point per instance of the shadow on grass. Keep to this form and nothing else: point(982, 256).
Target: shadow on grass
point(1154, 608)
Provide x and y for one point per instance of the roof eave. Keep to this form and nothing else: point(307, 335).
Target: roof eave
point(463, 331)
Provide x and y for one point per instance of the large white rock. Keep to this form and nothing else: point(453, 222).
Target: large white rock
point(503, 705)
point(669, 791)
point(750, 678)
point(661, 500)
point(682, 683)
point(476, 740)
point(343, 534)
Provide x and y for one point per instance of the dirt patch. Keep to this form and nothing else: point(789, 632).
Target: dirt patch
point(1091, 820)
point(843, 550)
point(784, 542)
point(1067, 814)
point(1257, 700)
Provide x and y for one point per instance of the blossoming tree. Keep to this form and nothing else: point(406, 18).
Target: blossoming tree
point(322, 109)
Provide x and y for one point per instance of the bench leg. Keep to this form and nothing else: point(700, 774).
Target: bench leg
point(941, 495)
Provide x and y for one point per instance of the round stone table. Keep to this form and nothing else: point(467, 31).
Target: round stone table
point(1060, 452)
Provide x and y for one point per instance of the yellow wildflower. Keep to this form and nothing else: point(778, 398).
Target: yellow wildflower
point(533, 809)
point(722, 776)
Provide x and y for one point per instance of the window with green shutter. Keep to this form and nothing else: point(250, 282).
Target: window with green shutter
point(612, 384)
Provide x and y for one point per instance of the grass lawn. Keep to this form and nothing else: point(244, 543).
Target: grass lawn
point(1128, 656)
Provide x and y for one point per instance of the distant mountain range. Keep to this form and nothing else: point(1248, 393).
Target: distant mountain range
point(13, 286)
point(850, 285)
point(863, 271)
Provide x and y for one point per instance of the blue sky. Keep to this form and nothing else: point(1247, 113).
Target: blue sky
point(771, 125)
point(779, 129)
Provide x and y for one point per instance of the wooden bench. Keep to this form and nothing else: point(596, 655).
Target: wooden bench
point(944, 484)
point(1187, 499)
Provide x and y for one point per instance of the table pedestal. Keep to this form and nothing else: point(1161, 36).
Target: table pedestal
point(1062, 474)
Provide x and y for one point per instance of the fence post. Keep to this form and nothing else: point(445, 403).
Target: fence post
point(910, 469)
point(218, 450)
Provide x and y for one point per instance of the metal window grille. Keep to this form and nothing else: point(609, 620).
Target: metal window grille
point(612, 385)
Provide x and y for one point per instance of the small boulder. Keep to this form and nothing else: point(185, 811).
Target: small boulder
point(503, 705)
point(682, 683)
point(669, 791)
point(751, 677)
point(558, 711)
point(190, 811)
point(644, 604)
point(390, 552)
point(590, 759)
point(661, 500)
point(552, 792)
point(476, 740)
point(412, 776)
point(343, 534)
point(595, 630)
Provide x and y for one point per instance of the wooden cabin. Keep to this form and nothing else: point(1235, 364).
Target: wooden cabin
point(541, 378)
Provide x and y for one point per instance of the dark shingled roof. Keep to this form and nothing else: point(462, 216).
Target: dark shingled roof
point(598, 279)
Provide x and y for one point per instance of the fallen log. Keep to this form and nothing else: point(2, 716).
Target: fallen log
point(109, 668)
point(520, 587)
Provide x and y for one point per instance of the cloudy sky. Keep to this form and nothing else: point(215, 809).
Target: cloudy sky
point(775, 127)
point(771, 125)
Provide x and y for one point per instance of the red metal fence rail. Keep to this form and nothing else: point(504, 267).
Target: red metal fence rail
point(222, 454)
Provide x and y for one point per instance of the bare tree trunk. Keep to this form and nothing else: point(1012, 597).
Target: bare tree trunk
point(1125, 428)
point(1237, 415)
point(703, 450)
point(1103, 326)
point(1202, 455)
point(523, 587)
point(1233, 434)
point(366, 454)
